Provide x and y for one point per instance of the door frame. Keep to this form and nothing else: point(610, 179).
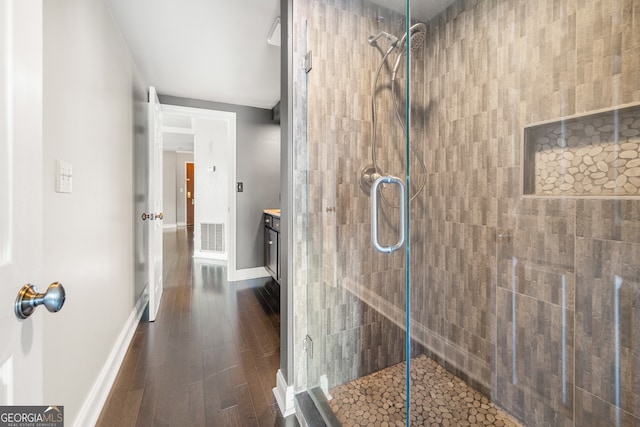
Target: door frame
point(232, 273)
point(186, 199)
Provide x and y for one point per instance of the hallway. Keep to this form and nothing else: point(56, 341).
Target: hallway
point(210, 358)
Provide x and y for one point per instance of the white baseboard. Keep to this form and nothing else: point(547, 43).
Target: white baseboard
point(209, 255)
point(97, 397)
point(169, 226)
point(284, 395)
point(247, 274)
point(182, 224)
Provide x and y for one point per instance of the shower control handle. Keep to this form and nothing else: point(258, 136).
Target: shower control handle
point(374, 213)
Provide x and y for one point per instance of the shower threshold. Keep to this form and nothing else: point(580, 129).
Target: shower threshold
point(438, 398)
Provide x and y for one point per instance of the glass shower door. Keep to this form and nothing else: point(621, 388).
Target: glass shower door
point(524, 246)
point(353, 140)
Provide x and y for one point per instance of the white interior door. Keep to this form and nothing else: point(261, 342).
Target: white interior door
point(155, 204)
point(21, 349)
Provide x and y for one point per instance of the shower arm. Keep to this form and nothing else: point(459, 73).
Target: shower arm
point(392, 39)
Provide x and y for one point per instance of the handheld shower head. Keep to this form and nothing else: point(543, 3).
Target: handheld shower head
point(413, 39)
point(417, 36)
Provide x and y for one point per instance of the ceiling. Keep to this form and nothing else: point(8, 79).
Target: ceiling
point(420, 10)
point(214, 50)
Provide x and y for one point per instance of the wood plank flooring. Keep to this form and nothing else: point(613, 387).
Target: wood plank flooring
point(211, 356)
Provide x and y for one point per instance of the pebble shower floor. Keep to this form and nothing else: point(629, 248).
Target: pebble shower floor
point(438, 398)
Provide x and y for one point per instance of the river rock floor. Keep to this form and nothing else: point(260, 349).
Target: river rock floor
point(438, 398)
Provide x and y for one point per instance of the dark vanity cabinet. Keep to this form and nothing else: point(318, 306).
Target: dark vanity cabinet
point(272, 245)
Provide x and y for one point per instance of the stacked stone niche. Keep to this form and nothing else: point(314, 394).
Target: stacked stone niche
point(594, 155)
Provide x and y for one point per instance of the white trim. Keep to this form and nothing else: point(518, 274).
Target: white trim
point(232, 268)
point(178, 130)
point(284, 395)
point(169, 225)
point(182, 224)
point(209, 255)
point(248, 273)
point(195, 112)
point(93, 404)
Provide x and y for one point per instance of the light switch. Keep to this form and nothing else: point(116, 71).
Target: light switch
point(64, 176)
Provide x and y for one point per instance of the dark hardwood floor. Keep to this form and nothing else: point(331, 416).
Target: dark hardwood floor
point(211, 356)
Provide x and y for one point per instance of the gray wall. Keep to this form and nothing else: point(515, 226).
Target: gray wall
point(257, 166)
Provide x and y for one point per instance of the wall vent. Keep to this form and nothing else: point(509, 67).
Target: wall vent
point(212, 237)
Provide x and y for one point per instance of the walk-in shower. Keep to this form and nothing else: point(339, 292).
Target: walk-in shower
point(514, 300)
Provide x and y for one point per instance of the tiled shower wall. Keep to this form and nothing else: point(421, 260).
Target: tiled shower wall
point(536, 300)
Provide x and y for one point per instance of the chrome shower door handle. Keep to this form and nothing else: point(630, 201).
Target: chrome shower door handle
point(374, 213)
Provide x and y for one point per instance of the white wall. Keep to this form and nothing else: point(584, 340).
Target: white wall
point(211, 174)
point(89, 82)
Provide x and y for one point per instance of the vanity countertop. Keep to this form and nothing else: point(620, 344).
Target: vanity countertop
point(273, 212)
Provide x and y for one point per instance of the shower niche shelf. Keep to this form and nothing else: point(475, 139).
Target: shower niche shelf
point(594, 155)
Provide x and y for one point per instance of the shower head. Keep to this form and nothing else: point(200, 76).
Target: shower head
point(417, 36)
point(392, 39)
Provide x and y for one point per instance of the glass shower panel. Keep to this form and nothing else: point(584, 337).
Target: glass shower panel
point(525, 280)
point(355, 294)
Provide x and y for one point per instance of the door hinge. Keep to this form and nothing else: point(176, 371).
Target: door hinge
point(308, 61)
point(307, 345)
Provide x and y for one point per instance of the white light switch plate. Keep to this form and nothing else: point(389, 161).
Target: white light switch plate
point(64, 176)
